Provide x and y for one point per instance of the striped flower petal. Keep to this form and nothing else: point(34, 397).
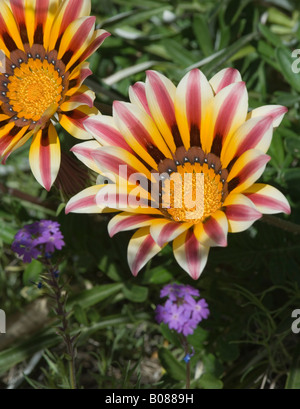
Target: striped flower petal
point(256, 133)
point(160, 92)
point(83, 96)
point(141, 249)
point(128, 221)
point(224, 78)
point(227, 112)
point(246, 170)
point(97, 39)
point(125, 198)
point(9, 141)
point(137, 96)
point(83, 151)
point(10, 38)
point(275, 111)
point(240, 212)
point(44, 156)
point(74, 121)
point(69, 11)
point(120, 162)
point(190, 254)
point(213, 232)
point(267, 199)
point(164, 231)
point(140, 132)
point(193, 95)
point(76, 39)
point(85, 202)
point(104, 129)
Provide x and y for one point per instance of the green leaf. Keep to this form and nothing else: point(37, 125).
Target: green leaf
point(293, 379)
point(209, 381)
point(202, 34)
point(178, 53)
point(197, 338)
point(135, 293)
point(170, 335)
point(285, 62)
point(174, 369)
point(32, 272)
point(267, 33)
point(91, 297)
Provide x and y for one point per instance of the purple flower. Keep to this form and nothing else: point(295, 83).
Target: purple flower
point(181, 312)
point(37, 238)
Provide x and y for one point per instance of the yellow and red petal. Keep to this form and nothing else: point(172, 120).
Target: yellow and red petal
point(10, 135)
point(69, 10)
point(83, 96)
point(141, 249)
point(160, 92)
point(83, 151)
point(246, 170)
point(73, 121)
point(276, 112)
point(45, 156)
point(97, 39)
point(120, 162)
point(256, 133)
point(10, 38)
point(225, 114)
point(76, 78)
point(128, 221)
point(137, 96)
point(190, 254)
point(85, 201)
point(123, 197)
point(105, 130)
point(223, 78)
point(163, 230)
point(267, 199)
point(35, 19)
point(140, 132)
point(240, 212)
point(193, 95)
point(213, 231)
point(75, 40)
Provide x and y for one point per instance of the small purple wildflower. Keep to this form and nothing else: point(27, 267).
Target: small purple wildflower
point(181, 312)
point(38, 238)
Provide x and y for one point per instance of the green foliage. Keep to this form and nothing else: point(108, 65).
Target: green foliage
point(252, 286)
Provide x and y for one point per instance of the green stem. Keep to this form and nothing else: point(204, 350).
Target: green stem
point(188, 365)
point(281, 224)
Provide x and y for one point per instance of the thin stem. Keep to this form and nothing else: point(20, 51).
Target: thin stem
point(282, 224)
point(62, 313)
point(188, 365)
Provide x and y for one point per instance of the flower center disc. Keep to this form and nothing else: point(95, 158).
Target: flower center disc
point(192, 193)
point(33, 88)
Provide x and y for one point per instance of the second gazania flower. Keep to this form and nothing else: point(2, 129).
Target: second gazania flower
point(200, 127)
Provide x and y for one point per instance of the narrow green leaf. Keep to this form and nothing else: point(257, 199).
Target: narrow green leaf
point(174, 369)
point(202, 34)
point(285, 61)
point(209, 381)
point(135, 293)
point(32, 272)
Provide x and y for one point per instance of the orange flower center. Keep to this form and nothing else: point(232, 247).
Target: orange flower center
point(193, 185)
point(34, 88)
point(192, 193)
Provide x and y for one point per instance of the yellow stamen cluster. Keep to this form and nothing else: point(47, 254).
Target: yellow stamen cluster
point(33, 88)
point(192, 193)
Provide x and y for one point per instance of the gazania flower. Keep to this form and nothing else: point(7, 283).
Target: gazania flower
point(200, 129)
point(44, 45)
